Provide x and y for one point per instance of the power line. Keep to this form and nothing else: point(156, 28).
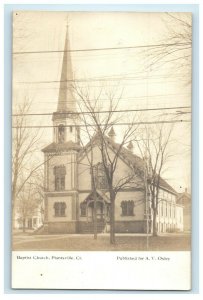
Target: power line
point(52, 101)
point(103, 49)
point(110, 85)
point(99, 79)
point(113, 124)
point(105, 111)
point(124, 76)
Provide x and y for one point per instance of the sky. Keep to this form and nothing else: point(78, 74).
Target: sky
point(124, 71)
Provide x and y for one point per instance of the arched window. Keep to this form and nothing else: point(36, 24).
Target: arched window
point(61, 133)
point(60, 173)
point(59, 208)
point(100, 176)
point(127, 208)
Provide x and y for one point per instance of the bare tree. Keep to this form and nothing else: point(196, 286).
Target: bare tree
point(24, 145)
point(154, 146)
point(174, 48)
point(98, 122)
point(28, 203)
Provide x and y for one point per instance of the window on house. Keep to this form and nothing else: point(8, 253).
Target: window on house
point(60, 173)
point(61, 133)
point(127, 208)
point(59, 208)
point(83, 209)
point(100, 176)
point(162, 209)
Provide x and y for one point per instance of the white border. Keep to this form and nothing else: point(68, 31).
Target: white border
point(87, 296)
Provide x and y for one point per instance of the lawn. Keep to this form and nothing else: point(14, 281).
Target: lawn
point(170, 242)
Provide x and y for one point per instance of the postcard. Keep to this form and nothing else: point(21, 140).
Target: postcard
point(101, 150)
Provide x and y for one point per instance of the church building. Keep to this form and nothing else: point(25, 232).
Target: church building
point(69, 200)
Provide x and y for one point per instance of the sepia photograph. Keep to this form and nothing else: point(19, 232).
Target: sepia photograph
point(101, 131)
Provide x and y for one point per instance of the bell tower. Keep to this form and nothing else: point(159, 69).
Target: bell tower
point(61, 180)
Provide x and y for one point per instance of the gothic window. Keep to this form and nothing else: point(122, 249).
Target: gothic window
point(61, 133)
point(59, 208)
point(100, 176)
point(83, 207)
point(60, 173)
point(127, 208)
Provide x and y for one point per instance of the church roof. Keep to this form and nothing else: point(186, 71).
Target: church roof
point(167, 186)
point(131, 159)
point(58, 147)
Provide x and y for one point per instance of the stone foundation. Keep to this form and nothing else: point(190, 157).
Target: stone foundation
point(63, 227)
point(84, 227)
point(130, 227)
point(88, 227)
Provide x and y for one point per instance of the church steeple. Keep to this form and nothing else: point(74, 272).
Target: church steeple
point(66, 102)
point(65, 118)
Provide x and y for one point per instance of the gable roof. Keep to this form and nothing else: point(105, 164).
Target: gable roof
point(100, 195)
point(130, 159)
point(134, 159)
point(184, 194)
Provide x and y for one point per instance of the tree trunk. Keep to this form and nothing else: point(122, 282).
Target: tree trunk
point(112, 222)
point(154, 223)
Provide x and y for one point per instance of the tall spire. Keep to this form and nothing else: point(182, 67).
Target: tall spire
point(66, 102)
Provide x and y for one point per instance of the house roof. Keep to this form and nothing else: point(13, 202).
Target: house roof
point(131, 159)
point(184, 194)
point(58, 147)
